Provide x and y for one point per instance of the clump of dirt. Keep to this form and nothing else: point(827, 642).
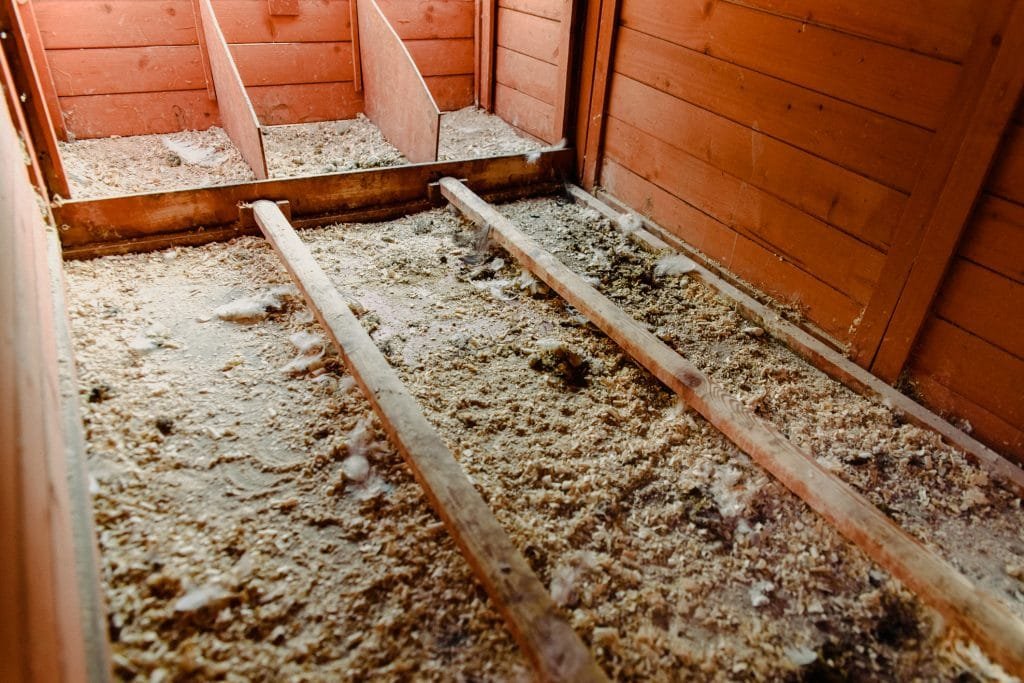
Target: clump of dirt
point(108, 167)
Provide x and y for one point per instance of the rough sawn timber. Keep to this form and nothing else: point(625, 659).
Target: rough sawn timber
point(998, 631)
point(554, 649)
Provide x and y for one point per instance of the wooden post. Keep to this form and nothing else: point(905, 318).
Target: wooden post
point(204, 53)
point(566, 44)
point(604, 28)
point(488, 45)
point(236, 110)
point(997, 630)
point(942, 200)
point(357, 59)
point(396, 96)
point(554, 649)
point(26, 78)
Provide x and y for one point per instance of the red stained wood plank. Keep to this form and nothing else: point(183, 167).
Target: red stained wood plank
point(984, 303)
point(283, 8)
point(823, 305)
point(34, 43)
point(487, 38)
point(527, 75)
point(451, 92)
point(305, 103)
point(247, 21)
point(290, 63)
point(100, 116)
point(72, 24)
point(442, 57)
point(236, 111)
point(899, 83)
point(850, 266)
point(1007, 179)
point(997, 433)
point(524, 112)
point(530, 35)
point(549, 9)
point(973, 368)
point(859, 206)
point(396, 98)
point(873, 145)
point(425, 19)
point(941, 29)
point(995, 238)
point(104, 71)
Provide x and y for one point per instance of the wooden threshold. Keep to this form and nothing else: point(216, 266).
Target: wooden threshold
point(96, 227)
point(986, 620)
point(554, 649)
point(819, 354)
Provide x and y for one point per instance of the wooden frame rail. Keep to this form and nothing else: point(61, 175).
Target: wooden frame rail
point(554, 649)
point(816, 352)
point(997, 630)
point(395, 95)
point(158, 220)
point(236, 110)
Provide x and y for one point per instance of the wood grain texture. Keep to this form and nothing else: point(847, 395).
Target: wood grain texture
point(941, 29)
point(850, 266)
point(396, 97)
point(1007, 179)
point(531, 35)
point(986, 620)
point(905, 85)
point(451, 92)
point(549, 9)
point(995, 238)
point(553, 648)
point(102, 71)
point(114, 23)
point(985, 303)
point(524, 112)
point(100, 116)
point(34, 42)
point(944, 196)
point(429, 19)
point(305, 102)
point(529, 76)
point(487, 38)
point(247, 21)
point(236, 110)
point(316, 198)
point(41, 622)
point(813, 350)
point(438, 57)
point(823, 305)
point(291, 63)
point(865, 209)
point(874, 145)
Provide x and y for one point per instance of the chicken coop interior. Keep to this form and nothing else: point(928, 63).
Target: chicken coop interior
point(508, 340)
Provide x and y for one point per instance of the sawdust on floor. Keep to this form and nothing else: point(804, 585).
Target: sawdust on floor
point(108, 167)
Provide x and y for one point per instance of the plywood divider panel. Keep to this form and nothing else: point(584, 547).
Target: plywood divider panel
point(236, 110)
point(943, 198)
point(397, 99)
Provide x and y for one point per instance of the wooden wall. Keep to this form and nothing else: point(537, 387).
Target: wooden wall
point(128, 67)
point(782, 138)
point(828, 153)
point(41, 626)
point(531, 58)
point(969, 360)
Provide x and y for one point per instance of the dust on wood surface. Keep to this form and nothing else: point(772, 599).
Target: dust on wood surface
point(672, 554)
point(146, 163)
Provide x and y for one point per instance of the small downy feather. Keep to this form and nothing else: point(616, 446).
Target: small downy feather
point(673, 265)
point(629, 223)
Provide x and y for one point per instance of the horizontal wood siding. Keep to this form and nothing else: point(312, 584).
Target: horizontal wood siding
point(782, 137)
point(145, 56)
point(527, 59)
point(969, 360)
